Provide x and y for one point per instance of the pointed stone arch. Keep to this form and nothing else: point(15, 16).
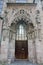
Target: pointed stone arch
point(21, 14)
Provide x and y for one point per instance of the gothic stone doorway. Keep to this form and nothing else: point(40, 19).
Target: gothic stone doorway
point(21, 45)
point(21, 49)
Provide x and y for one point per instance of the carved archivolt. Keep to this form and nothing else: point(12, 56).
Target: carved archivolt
point(21, 14)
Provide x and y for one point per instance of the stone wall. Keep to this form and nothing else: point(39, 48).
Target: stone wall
point(1, 21)
point(35, 44)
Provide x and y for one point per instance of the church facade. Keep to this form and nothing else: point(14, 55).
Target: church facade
point(21, 31)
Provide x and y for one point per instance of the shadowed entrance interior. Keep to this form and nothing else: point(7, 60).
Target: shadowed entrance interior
point(21, 49)
point(21, 44)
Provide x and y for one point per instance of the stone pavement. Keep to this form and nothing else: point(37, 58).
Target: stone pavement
point(21, 63)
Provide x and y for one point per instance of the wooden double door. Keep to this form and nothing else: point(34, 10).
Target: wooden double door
point(21, 49)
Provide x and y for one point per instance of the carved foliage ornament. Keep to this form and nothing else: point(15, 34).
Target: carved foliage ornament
point(22, 14)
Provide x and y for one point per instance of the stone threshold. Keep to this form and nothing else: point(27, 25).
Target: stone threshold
point(21, 59)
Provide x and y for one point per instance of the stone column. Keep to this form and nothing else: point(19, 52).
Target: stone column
point(13, 47)
point(38, 50)
point(38, 43)
point(30, 51)
point(1, 22)
point(4, 44)
point(11, 51)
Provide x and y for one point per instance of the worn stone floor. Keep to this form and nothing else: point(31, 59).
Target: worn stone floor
point(22, 63)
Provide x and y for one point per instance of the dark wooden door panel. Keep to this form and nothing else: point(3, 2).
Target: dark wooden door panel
point(21, 50)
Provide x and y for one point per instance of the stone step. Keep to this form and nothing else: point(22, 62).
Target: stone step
point(20, 62)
